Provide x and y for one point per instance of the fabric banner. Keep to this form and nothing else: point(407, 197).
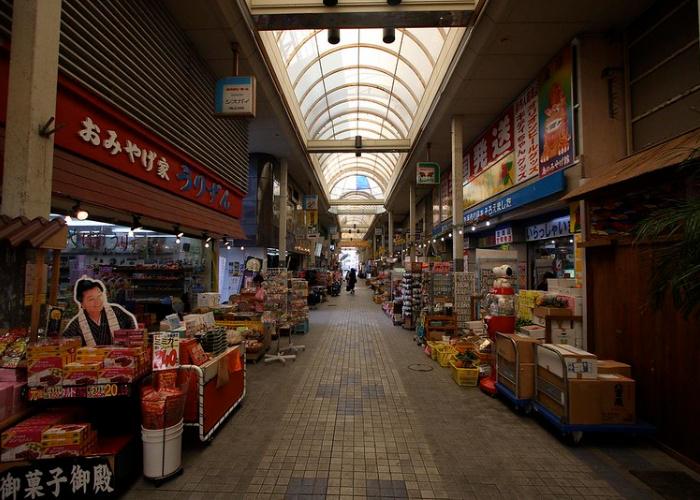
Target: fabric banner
point(495, 179)
point(492, 145)
point(527, 152)
point(556, 118)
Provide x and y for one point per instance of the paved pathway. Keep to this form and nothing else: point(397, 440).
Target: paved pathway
point(350, 418)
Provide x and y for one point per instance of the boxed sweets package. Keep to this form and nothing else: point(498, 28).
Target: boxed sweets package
point(81, 373)
point(24, 440)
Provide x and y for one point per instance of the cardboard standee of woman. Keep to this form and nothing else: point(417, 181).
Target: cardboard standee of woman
point(96, 320)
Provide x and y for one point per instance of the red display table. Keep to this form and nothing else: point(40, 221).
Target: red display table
point(209, 401)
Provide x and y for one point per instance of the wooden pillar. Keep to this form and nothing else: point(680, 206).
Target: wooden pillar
point(55, 277)
point(37, 288)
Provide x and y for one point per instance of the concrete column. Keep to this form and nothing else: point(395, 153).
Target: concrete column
point(31, 101)
point(391, 233)
point(412, 220)
point(457, 196)
point(283, 213)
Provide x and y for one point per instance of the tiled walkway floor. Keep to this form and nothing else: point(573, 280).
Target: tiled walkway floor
point(350, 418)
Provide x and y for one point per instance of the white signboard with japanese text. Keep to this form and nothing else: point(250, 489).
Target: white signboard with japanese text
point(235, 96)
point(71, 478)
point(504, 235)
point(552, 229)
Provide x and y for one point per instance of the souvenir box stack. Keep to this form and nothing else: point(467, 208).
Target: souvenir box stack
point(464, 288)
point(276, 297)
point(298, 302)
point(411, 293)
point(49, 434)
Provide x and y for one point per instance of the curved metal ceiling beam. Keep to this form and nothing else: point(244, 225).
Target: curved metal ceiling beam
point(380, 48)
point(379, 122)
point(333, 170)
point(313, 33)
point(332, 186)
point(345, 171)
point(368, 131)
point(298, 46)
point(420, 44)
point(362, 66)
point(337, 177)
point(312, 132)
point(388, 109)
point(379, 162)
point(357, 97)
point(355, 195)
point(382, 164)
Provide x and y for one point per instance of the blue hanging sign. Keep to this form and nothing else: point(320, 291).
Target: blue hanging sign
point(235, 96)
point(548, 186)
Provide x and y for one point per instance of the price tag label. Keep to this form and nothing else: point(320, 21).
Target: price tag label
point(54, 392)
point(102, 391)
point(166, 351)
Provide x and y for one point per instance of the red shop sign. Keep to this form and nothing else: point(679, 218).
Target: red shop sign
point(493, 144)
point(95, 130)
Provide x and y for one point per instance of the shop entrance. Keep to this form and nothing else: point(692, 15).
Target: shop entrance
point(555, 256)
point(149, 273)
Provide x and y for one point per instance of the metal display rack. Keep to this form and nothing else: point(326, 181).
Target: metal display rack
point(278, 279)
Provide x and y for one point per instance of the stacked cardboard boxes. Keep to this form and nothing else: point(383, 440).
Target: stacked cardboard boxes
point(569, 385)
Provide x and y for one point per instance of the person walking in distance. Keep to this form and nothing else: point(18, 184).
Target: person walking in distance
point(352, 279)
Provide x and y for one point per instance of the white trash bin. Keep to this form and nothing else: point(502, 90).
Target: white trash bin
point(162, 451)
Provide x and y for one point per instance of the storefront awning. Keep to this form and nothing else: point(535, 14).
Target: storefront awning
point(83, 180)
point(37, 233)
point(668, 154)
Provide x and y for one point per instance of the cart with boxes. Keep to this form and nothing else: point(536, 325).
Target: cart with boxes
point(577, 394)
point(515, 358)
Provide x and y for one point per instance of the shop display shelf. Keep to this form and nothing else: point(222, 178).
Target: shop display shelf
point(575, 431)
point(93, 391)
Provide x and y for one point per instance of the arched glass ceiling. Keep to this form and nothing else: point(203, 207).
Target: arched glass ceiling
point(354, 226)
point(360, 75)
point(360, 86)
point(355, 184)
point(378, 167)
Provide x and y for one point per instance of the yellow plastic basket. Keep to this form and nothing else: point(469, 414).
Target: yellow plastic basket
point(465, 377)
point(444, 355)
point(434, 349)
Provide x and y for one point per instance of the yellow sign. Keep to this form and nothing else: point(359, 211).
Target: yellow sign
point(312, 217)
point(491, 181)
